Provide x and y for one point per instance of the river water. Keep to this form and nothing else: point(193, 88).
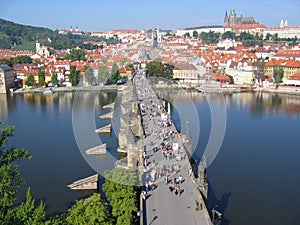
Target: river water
point(253, 176)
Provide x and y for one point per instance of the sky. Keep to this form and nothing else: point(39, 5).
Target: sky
point(107, 15)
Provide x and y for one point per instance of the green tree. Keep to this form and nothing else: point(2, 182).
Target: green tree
point(102, 74)
point(210, 38)
point(259, 66)
point(187, 35)
point(27, 213)
point(278, 75)
point(123, 61)
point(275, 37)
point(154, 68)
point(8, 62)
point(41, 77)
point(268, 36)
point(114, 74)
point(231, 79)
point(30, 81)
point(57, 220)
point(76, 55)
point(22, 59)
point(195, 34)
point(54, 79)
point(228, 35)
point(245, 36)
point(74, 76)
point(91, 210)
point(122, 195)
point(168, 70)
point(10, 178)
point(89, 75)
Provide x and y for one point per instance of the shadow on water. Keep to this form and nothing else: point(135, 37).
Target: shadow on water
point(212, 201)
point(218, 204)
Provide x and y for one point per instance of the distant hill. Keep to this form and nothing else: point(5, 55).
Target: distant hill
point(17, 36)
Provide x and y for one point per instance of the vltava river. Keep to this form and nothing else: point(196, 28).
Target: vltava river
point(253, 179)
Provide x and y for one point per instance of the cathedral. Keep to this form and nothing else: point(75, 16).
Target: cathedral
point(232, 19)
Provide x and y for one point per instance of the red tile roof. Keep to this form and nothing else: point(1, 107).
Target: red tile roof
point(275, 62)
point(249, 26)
point(220, 77)
point(295, 77)
point(292, 64)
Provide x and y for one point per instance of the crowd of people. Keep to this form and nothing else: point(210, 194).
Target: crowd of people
point(160, 136)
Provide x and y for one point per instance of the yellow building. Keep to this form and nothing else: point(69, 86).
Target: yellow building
point(125, 71)
point(241, 76)
point(36, 78)
point(185, 71)
point(290, 67)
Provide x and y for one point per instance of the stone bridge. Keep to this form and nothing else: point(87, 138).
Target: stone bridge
point(161, 156)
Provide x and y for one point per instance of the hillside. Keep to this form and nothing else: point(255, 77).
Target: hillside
point(17, 36)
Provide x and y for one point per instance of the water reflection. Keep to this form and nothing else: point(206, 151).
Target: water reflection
point(244, 172)
point(3, 107)
point(259, 148)
point(43, 125)
point(260, 103)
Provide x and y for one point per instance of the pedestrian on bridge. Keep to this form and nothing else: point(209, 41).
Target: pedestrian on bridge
point(166, 179)
point(179, 179)
point(171, 186)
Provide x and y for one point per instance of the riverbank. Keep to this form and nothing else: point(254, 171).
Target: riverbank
point(281, 90)
point(67, 89)
point(225, 89)
point(204, 89)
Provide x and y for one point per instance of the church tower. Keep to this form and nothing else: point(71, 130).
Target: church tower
point(226, 20)
point(232, 18)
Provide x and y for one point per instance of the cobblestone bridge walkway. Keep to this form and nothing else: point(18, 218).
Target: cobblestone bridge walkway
point(170, 195)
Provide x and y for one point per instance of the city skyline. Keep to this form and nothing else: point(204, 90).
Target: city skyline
point(109, 15)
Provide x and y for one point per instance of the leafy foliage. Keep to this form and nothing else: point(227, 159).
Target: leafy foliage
point(30, 81)
point(54, 79)
point(259, 66)
point(11, 178)
point(119, 188)
point(102, 74)
point(231, 78)
point(89, 211)
point(123, 61)
point(168, 70)
point(8, 62)
point(41, 77)
point(26, 36)
point(121, 194)
point(210, 37)
point(22, 59)
point(157, 68)
point(187, 35)
point(27, 213)
point(154, 68)
point(195, 34)
point(278, 75)
point(114, 74)
point(74, 76)
point(76, 55)
point(89, 76)
point(229, 35)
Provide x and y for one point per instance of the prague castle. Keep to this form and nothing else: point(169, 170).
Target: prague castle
point(232, 19)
